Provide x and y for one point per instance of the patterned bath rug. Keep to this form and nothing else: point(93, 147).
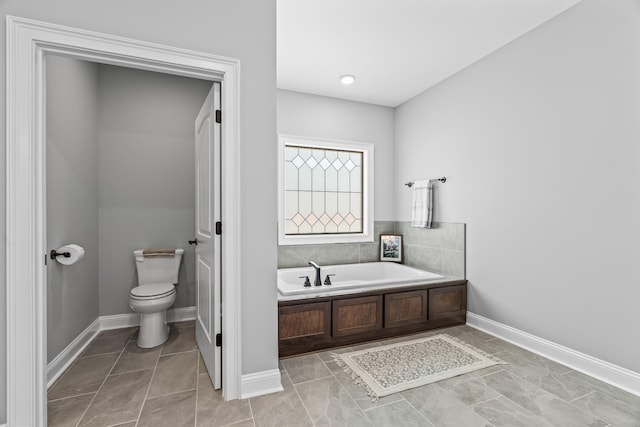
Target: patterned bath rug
point(397, 367)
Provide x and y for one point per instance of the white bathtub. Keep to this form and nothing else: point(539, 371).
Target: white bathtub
point(368, 275)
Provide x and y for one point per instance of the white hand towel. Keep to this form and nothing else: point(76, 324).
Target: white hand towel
point(422, 207)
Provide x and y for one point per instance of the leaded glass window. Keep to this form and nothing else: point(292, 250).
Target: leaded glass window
point(323, 190)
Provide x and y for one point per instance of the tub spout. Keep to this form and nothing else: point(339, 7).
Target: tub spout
point(318, 281)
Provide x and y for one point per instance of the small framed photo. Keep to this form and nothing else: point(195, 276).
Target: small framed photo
point(391, 248)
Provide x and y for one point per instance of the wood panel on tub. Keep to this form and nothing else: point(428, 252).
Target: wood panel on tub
point(319, 323)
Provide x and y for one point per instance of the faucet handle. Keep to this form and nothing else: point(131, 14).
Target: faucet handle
point(327, 280)
point(307, 282)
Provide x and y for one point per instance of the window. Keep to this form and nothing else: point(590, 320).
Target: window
point(325, 191)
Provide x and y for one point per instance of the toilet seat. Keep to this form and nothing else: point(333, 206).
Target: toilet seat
point(152, 291)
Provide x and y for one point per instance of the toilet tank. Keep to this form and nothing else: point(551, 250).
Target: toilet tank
point(158, 269)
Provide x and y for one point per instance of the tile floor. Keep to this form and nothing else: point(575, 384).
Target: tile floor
point(116, 384)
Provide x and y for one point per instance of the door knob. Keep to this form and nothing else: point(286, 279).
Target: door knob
point(193, 242)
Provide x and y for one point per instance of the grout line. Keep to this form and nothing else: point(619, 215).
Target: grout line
point(153, 374)
point(580, 397)
point(121, 424)
point(383, 404)
point(567, 373)
point(103, 382)
point(179, 352)
point(96, 355)
point(464, 404)
point(236, 423)
point(312, 380)
point(251, 412)
point(353, 398)
point(416, 409)
point(343, 389)
point(130, 372)
point(587, 411)
point(487, 400)
point(301, 401)
point(172, 393)
point(539, 387)
point(487, 373)
point(70, 397)
point(195, 414)
point(527, 411)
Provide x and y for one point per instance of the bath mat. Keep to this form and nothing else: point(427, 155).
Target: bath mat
point(397, 367)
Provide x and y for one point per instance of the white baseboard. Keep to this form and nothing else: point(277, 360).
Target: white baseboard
point(71, 352)
point(127, 320)
point(181, 314)
point(117, 321)
point(617, 376)
point(260, 383)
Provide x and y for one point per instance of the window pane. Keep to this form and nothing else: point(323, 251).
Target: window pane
point(331, 203)
point(343, 180)
point(290, 204)
point(356, 180)
point(290, 153)
point(304, 203)
point(323, 190)
point(344, 203)
point(331, 179)
point(291, 176)
point(318, 179)
point(304, 178)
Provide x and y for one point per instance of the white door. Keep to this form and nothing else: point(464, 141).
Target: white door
point(208, 295)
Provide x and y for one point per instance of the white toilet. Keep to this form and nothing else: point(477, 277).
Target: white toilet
point(154, 294)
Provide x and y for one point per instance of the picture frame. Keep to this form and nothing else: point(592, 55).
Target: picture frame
point(391, 247)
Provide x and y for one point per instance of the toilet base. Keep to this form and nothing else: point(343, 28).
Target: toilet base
point(154, 330)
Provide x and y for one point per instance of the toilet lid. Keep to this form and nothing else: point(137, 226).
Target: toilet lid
point(152, 290)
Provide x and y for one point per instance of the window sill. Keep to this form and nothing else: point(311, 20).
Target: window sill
point(319, 239)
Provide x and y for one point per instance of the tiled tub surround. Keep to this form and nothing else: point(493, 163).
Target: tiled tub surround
point(335, 253)
point(529, 391)
point(439, 249)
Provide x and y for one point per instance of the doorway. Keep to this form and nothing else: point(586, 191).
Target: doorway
point(121, 175)
point(26, 191)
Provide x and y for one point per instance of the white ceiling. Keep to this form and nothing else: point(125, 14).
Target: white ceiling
point(396, 48)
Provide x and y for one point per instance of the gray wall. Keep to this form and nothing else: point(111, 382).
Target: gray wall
point(540, 144)
point(316, 116)
point(239, 29)
point(72, 198)
point(147, 176)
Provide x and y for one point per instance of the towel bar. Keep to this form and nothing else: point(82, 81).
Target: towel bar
point(442, 180)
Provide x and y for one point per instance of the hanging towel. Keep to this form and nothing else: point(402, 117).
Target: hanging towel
point(422, 207)
point(159, 253)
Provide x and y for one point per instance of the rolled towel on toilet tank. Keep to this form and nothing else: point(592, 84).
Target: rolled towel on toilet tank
point(159, 252)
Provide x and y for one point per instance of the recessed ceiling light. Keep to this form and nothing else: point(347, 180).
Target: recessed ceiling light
point(347, 79)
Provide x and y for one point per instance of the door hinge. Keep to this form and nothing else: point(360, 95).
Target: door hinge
point(218, 340)
point(218, 227)
point(218, 116)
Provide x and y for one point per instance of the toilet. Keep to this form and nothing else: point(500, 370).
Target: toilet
point(157, 277)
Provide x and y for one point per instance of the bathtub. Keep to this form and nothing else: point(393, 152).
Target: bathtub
point(370, 275)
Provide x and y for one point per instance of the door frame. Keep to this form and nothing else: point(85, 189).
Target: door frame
point(28, 42)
